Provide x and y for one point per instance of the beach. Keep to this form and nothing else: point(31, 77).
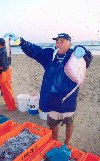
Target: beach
point(27, 78)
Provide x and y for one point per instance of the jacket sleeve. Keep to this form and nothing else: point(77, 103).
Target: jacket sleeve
point(87, 57)
point(42, 56)
point(4, 60)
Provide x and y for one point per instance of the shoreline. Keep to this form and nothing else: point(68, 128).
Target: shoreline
point(18, 51)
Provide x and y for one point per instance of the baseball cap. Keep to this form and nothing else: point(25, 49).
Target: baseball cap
point(64, 36)
point(2, 41)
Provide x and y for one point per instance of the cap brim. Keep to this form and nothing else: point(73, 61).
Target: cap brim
point(62, 38)
point(54, 38)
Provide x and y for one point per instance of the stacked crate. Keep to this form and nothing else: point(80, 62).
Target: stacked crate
point(38, 150)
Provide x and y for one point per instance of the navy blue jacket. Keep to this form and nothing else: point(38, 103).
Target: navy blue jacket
point(3, 59)
point(56, 84)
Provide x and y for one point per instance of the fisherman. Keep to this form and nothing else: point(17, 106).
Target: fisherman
point(56, 84)
point(5, 77)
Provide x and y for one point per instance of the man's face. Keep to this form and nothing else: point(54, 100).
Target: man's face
point(63, 44)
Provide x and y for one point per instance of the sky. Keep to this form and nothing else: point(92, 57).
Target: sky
point(40, 20)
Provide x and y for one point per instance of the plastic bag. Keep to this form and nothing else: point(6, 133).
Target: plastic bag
point(75, 69)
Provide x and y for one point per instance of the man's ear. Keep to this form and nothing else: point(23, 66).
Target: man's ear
point(69, 44)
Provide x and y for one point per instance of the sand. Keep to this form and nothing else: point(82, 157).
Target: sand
point(27, 78)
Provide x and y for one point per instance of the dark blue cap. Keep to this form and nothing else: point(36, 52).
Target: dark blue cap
point(2, 41)
point(64, 36)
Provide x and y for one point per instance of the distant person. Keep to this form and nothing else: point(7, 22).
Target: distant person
point(56, 84)
point(5, 77)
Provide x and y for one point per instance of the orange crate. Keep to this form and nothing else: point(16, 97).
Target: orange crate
point(78, 155)
point(70, 147)
point(7, 127)
point(44, 133)
point(91, 157)
point(41, 153)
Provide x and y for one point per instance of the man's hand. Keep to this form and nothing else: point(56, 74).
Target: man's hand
point(79, 52)
point(12, 36)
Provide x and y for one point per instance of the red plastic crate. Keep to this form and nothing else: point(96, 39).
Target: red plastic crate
point(7, 127)
point(44, 133)
point(70, 147)
point(78, 155)
point(91, 157)
point(41, 153)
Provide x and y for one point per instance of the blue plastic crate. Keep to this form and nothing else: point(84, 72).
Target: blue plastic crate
point(3, 119)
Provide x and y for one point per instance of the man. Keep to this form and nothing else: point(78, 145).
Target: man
point(56, 84)
point(5, 77)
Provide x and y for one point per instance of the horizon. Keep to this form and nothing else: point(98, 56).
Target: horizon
point(86, 42)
